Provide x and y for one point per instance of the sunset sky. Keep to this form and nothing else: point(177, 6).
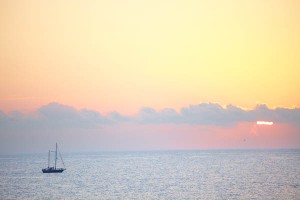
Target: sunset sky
point(127, 60)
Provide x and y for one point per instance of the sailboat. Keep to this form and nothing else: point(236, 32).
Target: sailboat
point(54, 169)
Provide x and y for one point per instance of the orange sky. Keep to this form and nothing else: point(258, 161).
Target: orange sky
point(122, 55)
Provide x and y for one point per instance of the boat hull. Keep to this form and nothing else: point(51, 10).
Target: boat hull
point(52, 170)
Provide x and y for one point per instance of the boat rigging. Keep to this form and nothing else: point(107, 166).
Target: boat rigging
point(54, 169)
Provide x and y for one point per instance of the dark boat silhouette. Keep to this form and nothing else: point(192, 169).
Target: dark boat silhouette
point(54, 169)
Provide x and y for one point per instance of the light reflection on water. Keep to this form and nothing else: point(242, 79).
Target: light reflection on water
point(230, 174)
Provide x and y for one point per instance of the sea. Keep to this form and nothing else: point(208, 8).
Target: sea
point(201, 174)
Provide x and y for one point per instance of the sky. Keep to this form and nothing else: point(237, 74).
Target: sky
point(149, 75)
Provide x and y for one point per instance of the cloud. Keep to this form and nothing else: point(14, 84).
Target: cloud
point(58, 116)
point(205, 125)
point(117, 117)
point(287, 115)
point(150, 115)
point(206, 113)
point(53, 116)
point(214, 114)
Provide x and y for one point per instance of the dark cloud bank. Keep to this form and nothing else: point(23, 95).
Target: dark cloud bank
point(58, 116)
point(89, 130)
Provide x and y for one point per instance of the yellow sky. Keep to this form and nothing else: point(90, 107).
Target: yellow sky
point(122, 55)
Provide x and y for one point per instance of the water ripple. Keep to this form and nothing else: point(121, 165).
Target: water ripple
point(156, 175)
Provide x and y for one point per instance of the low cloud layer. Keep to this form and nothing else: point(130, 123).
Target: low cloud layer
point(214, 114)
point(201, 126)
point(57, 116)
point(53, 115)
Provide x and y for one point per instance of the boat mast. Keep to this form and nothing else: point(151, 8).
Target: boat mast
point(48, 158)
point(55, 156)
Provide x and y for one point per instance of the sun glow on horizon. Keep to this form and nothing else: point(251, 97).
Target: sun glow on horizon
point(269, 123)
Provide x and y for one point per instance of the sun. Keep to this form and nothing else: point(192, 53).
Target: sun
point(269, 123)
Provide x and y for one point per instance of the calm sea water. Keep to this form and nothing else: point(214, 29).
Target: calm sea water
point(230, 174)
